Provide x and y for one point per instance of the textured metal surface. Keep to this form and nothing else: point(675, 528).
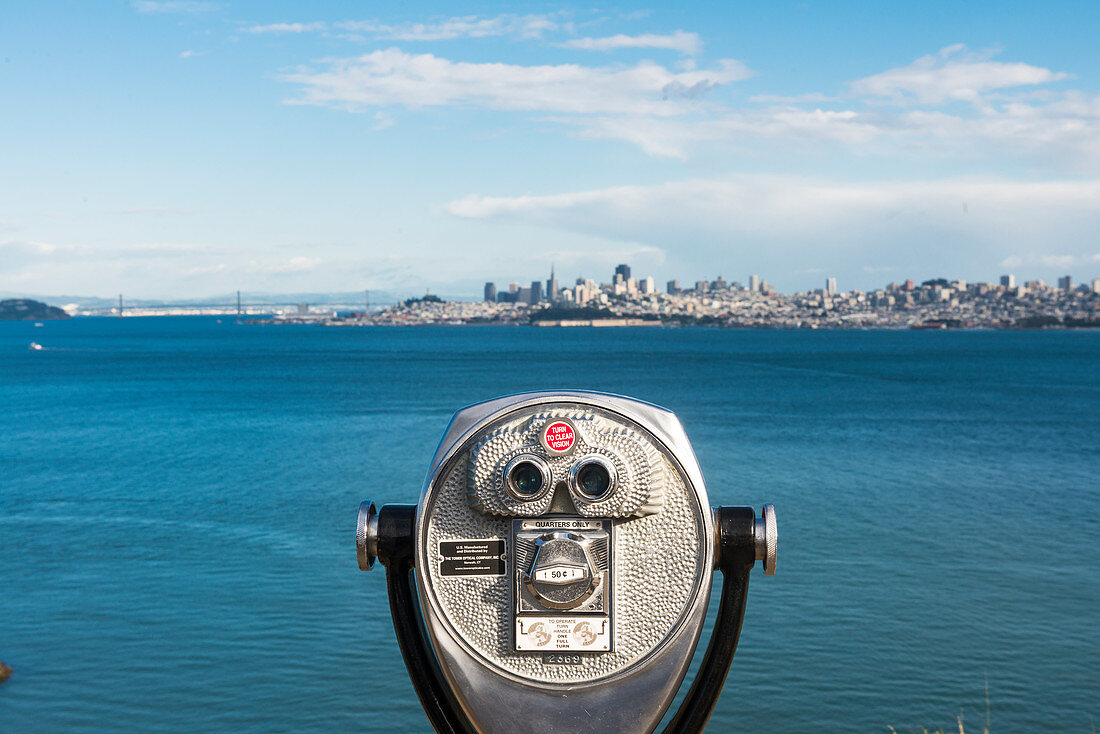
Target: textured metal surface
point(657, 569)
point(637, 464)
point(767, 539)
point(503, 691)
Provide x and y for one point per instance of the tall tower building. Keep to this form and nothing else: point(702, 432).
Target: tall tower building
point(490, 292)
point(536, 291)
point(552, 291)
point(623, 270)
point(1065, 283)
point(754, 283)
point(830, 286)
point(1008, 281)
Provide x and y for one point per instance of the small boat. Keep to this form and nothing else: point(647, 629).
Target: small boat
point(36, 347)
point(38, 323)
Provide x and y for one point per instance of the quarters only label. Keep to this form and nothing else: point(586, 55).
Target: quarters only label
point(472, 557)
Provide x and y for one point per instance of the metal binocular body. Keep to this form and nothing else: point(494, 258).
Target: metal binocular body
point(562, 553)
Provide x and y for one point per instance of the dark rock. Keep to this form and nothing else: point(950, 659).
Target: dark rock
point(24, 309)
point(5, 672)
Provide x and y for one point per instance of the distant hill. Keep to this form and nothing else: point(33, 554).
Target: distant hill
point(24, 309)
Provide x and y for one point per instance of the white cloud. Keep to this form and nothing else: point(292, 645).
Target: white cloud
point(957, 226)
point(288, 27)
point(469, 26)
point(16, 254)
point(31, 251)
point(291, 266)
point(673, 138)
point(1059, 131)
point(158, 211)
point(951, 75)
point(173, 6)
point(188, 54)
point(813, 97)
point(686, 43)
point(394, 77)
point(1050, 261)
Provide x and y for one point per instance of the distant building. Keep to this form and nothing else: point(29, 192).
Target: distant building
point(909, 284)
point(719, 284)
point(552, 291)
point(536, 292)
point(1008, 281)
point(830, 286)
point(672, 287)
point(303, 309)
point(490, 292)
point(1065, 283)
point(1096, 285)
point(647, 285)
point(513, 287)
point(523, 295)
point(623, 270)
point(754, 283)
point(701, 286)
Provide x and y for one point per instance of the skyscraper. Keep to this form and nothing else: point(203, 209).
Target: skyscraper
point(754, 283)
point(1008, 281)
point(830, 286)
point(552, 291)
point(623, 270)
point(490, 292)
point(1065, 283)
point(536, 291)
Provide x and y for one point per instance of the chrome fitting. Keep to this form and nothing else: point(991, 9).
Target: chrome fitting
point(366, 535)
point(766, 537)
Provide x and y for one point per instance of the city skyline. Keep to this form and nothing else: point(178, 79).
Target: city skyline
point(583, 290)
point(168, 148)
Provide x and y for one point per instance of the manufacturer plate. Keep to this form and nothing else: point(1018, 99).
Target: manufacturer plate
point(472, 557)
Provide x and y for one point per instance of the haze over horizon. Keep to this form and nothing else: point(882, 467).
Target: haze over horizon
point(183, 148)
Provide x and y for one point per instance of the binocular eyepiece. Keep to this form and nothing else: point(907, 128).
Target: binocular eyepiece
point(562, 552)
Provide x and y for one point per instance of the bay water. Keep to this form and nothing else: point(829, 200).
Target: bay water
point(178, 501)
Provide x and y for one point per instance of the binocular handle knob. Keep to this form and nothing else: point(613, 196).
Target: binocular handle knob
point(366, 535)
point(766, 538)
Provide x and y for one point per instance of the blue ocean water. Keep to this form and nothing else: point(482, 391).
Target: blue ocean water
point(178, 498)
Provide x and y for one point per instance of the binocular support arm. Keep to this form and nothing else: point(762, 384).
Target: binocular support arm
point(742, 538)
point(389, 536)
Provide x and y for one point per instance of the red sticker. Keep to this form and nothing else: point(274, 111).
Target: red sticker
point(558, 437)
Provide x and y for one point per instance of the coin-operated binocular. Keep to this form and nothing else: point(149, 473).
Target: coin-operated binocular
point(563, 548)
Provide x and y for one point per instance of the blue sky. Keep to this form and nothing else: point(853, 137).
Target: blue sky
point(185, 148)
